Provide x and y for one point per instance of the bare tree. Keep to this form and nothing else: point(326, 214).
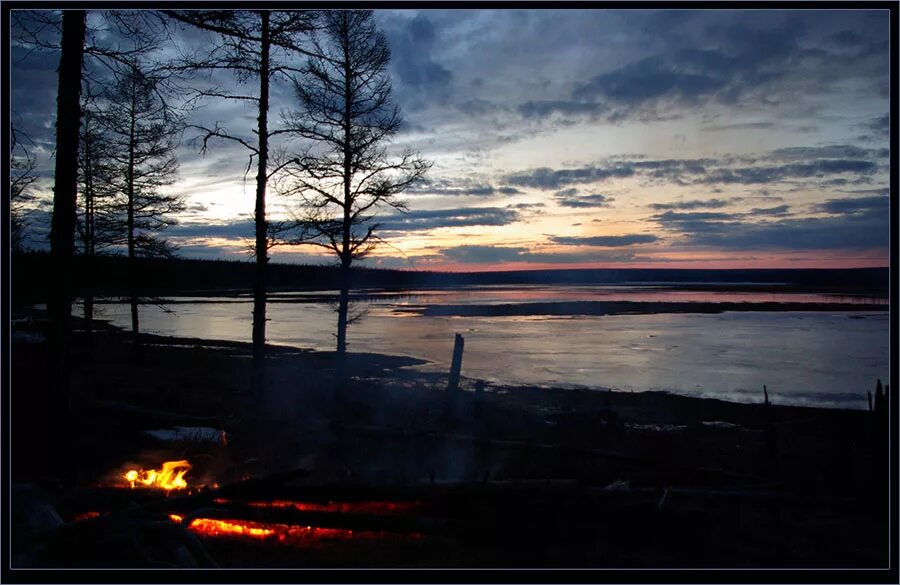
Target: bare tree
point(98, 223)
point(346, 174)
point(255, 45)
point(21, 177)
point(142, 133)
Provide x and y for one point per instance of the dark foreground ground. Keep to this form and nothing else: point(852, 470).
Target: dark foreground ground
point(504, 477)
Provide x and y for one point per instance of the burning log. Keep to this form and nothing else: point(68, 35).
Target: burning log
point(238, 512)
point(282, 534)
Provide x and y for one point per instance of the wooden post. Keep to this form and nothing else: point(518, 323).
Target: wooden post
point(879, 396)
point(456, 363)
point(770, 434)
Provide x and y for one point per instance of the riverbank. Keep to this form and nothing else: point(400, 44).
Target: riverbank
point(396, 427)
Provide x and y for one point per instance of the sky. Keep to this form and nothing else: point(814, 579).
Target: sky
point(580, 138)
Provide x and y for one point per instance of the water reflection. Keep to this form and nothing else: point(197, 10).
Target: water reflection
point(803, 357)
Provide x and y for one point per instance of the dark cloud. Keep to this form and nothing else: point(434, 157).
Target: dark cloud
point(438, 218)
point(754, 58)
point(415, 45)
point(526, 205)
point(605, 241)
point(650, 79)
point(798, 163)
point(738, 231)
point(461, 187)
point(771, 174)
point(487, 254)
point(739, 126)
point(876, 203)
point(691, 216)
point(544, 108)
point(879, 127)
point(693, 204)
point(571, 198)
point(777, 210)
point(846, 38)
point(545, 178)
point(832, 151)
point(475, 254)
point(234, 229)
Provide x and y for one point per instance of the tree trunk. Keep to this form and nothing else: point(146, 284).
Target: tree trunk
point(65, 194)
point(132, 255)
point(343, 308)
point(346, 256)
point(259, 283)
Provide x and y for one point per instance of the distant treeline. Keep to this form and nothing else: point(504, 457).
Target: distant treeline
point(107, 276)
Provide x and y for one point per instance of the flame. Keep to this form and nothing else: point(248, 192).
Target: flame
point(170, 477)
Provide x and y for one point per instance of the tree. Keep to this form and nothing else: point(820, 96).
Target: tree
point(255, 45)
point(98, 225)
point(65, 193)
point(67, 32)
point(142, 133)
point(21, 177)
point(346, 173)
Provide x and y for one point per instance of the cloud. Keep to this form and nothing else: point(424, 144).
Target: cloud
point(572, 198)
point(752, 175)
point(738, 232)
point(750, 58)
point(457, 187)
point(819, 163)
point(477, 254)
point(831, 151)
point(566, 108)
point(545, 178)
point(876, 203)
point(777, 210)
point(605, 241)
point(693, 204)
point(739, 126)
point(414, 62)
point(428, 219)
point(234, 229)
point(650, 79)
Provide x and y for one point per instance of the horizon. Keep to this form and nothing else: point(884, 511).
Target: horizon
point(641, 139)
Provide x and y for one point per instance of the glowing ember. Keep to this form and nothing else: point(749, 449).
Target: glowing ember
point(86, 516)
point(282, 534)
point(375, 508)
point(170, 477)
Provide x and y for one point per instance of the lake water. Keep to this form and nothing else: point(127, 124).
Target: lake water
point(804, 357)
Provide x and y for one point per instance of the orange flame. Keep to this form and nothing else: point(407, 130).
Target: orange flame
point(170, 477)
